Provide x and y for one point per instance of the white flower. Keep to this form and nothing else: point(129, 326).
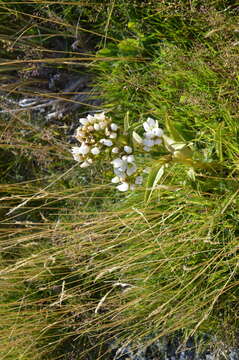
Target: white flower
point(146, 148)
point(123, 187)
point(132, 187)
point(150, 124)
point(130, 159)
point(114, 127)
point(139, 180)
point(148, 142)
point(113, 135)
point(117, 162)
point(76, 153)
point(128, 149)
point(84, 121)
point(152, 129)
point(106, 142)
point(95, 150)
point(120, 164)
point(131, 169)
point(157, 132)
point(84, 149)
point(100, 116)
point(121, 174)
point(91, 119)
point(76, 150)
point(149, 134)
point(115, 180)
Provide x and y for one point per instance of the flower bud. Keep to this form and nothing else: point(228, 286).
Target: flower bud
point(115, 180)
point(117, 162)
point(95, 151)
point(128, 149)
point(106, 142)
point(115, 150)
point(114, 127)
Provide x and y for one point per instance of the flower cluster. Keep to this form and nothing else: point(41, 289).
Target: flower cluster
point(125, 170)
point(96, 134)
point(153, 134)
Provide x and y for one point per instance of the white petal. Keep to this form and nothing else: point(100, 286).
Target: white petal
point(90, 119)
point(100, 116)
point(106, 142)
point(76, 155)
point(132, 187)
point(95, 150)
point(117, 162)
point(123, 187)
point(85, 164)
point(130, 159)
point(121, 174)
point(128, 149)
point(84, 121)
point(146, 126)
point(84, 149)
point(76, 150)
point(115, 180)
point(148, 142)
point(151, 122)
point(157, 132)
point(147, 148)
point(149, 134)
point(114, 127)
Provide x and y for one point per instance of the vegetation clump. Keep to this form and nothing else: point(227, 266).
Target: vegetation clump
point(83, 266)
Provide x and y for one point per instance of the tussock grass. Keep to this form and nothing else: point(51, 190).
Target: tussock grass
point(82, 266)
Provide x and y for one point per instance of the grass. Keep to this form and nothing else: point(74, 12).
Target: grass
point(82, 265)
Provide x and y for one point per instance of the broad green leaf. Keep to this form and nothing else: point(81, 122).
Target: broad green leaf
point(154, 176)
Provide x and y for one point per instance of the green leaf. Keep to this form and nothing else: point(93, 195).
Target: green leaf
point(154, 176)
